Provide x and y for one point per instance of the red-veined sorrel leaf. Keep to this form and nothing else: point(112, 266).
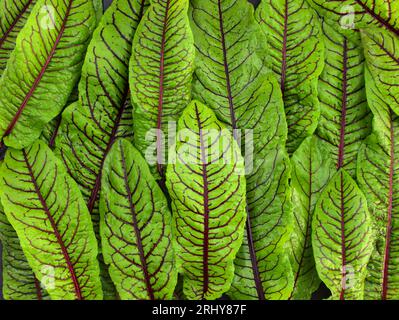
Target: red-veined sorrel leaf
point(18, 280)
point(345, 15)
point(205, 179)
point(378, 165)
point(135, 227)
point(160, 80)
point(103, 112)
point(232, 79)
point(382, 56)
point(342, 237)
point(43, 68)
point(13, 15)
point(295, 51)
point(312, 169)
point(46, 208)
point(345, 117)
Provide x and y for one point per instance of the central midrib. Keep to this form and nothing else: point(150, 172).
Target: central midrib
point(12, 26)
point(96, 189)
point(284, 50)
point(254, 261)
point(385, 270)
point(344, 102)
point(161, 93)
point(137, 232)
point(40, 76)
point(64, 250)
point(381, 20)
point(205, 254)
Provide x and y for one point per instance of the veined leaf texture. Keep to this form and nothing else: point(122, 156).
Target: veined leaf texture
point(199, 149)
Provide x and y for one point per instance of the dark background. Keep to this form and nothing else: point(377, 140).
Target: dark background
point(320, 294)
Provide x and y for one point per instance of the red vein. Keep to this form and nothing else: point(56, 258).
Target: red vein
point(40, 76)
point(161, 93)
point(343, 248)
point(344, 105)
point(381, 20)
point(385, 274)
point(12, 26)
point(284, 50)
point(254, 261)
point(205, 255)
point(137, 232)
point(53, 224)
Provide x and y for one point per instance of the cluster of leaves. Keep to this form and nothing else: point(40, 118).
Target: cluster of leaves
point(101, 200)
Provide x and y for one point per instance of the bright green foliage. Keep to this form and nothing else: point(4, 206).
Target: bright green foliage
point(136, 227)
point(18, 280)
point(312, 169)
point(103, 113)
point(345, 117)
point(160, 76)
point(46, 208)
point(342, 237)
point(295, 54)
point(382, 56)
point(378, 175)
point(13, 15)
point(232, 79)
point(205, 179)
point(35, 87)
point(346, 15)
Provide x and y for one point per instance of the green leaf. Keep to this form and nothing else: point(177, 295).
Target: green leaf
point(13, 15)
point(46, 209)
point(43, 68)
point(342, 237)
point(207, 186)
point(295, 52)
point(378, 173)
point(136, 227)
point(18, 281)
point(382, 58)
point(346, 15)
point(161, 70)
point(312, 169)
point(345, 117)
point(232, 79)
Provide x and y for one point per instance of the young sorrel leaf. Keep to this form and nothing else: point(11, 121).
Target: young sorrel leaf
point(312, 169)
point(382, 56)
point(35, 87)
point(135, 227)
point(345, 15)
point(378, 178)
point(232, 79)
point(13, 15)
point(295, 51)
point(46, 208)
point(342, 237)
point(345, 117)
point(205, 179)
point(160, 80)
point(18, 281)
